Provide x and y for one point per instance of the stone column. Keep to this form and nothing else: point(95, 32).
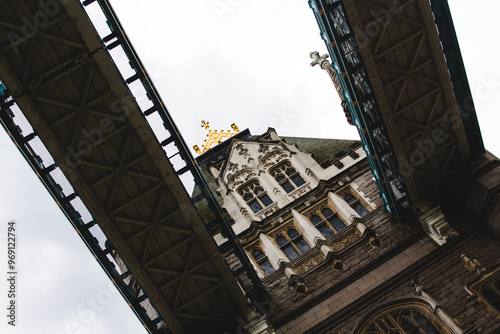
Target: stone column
point(261, 325)
point(311, 233)
point(274, 254)
point(343, 209)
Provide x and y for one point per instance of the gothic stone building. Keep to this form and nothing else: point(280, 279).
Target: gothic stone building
point(332, 259)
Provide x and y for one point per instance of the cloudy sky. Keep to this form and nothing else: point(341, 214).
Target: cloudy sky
point(224, 61)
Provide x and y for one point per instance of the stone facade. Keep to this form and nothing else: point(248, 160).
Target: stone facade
point(341, 281)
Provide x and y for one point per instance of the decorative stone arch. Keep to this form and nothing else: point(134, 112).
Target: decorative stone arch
point(407, 315)
point(298, 243)
point(236, 180)
point(349, 190)
point(273, 158)
point(261, 198)
point(261, 263)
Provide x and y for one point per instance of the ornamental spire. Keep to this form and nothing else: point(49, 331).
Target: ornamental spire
point(214, 137)
point(323, 62)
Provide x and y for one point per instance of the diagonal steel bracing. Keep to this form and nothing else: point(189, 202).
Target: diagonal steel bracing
point(80, 106)
point(400, 48)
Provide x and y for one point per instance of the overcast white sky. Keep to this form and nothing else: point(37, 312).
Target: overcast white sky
point(249, 65)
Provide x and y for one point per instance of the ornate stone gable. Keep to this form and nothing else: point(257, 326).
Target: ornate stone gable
point(240, 177)
point(273, 158)
point(247, 159)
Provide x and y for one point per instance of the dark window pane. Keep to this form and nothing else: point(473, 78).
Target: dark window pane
point(248, 197)
point(267, 267)
point(497, 283)
point(382, 325)
point(290, 171)
point(293, 233)
point(257, 255)
point(326, 231)
point(360, 209)
point(290, 252)
point(255, 206)
point(266, 200)
point(259, 191)
point(302, 246)
point(408, 325)
point(316, 219)
point(349, 198)
point(287, 186)
point(492, 297)
point(281, 240)
point(279, 177)
point(298, 180)
point(327, 212)
point(337, 223)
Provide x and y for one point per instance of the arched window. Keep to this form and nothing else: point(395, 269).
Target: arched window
point(489, 291)
point(355, 203)
point(408, 316)
point(292, 244)
point(327, 221)
point(255, 196)
point(288, 178)
point(262, 261)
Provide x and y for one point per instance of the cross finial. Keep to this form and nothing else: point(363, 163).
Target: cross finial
point(319, 60)
point(205, 125)
point(214, 137)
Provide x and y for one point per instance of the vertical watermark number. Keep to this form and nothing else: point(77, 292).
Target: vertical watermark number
point(11, 272)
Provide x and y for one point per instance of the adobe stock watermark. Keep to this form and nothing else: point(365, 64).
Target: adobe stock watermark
point(280, 119)
point(159, 73)
point(87, 310)
point(381, 19)
point(435, 138)
point(222, 7)
point(487, 87)
point(120, 107)
point(48, 9)
point(428, 146)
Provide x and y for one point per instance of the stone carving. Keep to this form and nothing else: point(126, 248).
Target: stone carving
point(311, 263)
point(242, 150)
point(232, 167)
point(263, 148)
point(272, 159)
point(300, 191)
point(473, 265)
point(418, 288)
point(319, 60)
point(436, 226)
point(337, 246)
point(268, 211)
point(239, 178)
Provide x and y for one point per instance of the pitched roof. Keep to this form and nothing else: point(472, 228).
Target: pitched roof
point(322, 150)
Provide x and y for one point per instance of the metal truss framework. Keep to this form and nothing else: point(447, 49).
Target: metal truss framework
point(352, 83)
point(30, 146)
point(90, 101)
point(413, 80)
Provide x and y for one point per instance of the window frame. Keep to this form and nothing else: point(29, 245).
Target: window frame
point(318, 211)
point(357, 200)
point(261, 260)
point(291, 241)
point(257, 197)
point(281, 169)
point(376, 316)
point(488, 280)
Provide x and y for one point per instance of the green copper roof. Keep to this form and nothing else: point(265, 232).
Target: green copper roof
point(322, 149)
